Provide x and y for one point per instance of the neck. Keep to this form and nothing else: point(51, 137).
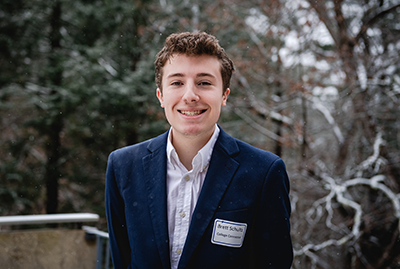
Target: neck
point(187, 147)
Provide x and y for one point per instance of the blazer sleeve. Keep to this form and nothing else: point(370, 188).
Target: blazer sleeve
point(272, 221)
point(115, 213)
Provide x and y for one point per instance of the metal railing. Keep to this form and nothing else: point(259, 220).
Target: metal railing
point(49, 218)
point(101, 237)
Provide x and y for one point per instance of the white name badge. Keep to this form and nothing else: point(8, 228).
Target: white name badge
point(228, 233)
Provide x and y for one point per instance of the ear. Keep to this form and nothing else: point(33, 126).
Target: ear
point(225, 97)
point(160, 97)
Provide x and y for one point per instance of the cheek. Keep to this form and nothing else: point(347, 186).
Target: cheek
point(167, 102)
point(217, 108)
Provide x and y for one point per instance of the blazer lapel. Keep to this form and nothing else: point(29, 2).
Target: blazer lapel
point(220, 173)
point(154, 165)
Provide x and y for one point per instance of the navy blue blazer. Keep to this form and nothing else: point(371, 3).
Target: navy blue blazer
point(243, 184)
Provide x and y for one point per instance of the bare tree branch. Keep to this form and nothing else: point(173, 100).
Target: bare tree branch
point(260, 107)
point(328, 116)
point(258, 127)
point(320, 8)
point(373, 17)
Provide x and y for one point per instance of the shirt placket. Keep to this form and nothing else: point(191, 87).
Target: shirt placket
point(182, 216)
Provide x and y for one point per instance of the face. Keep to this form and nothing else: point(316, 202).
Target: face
point(192, 95)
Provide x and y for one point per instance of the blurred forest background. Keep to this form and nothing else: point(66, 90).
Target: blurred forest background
point(317, 82)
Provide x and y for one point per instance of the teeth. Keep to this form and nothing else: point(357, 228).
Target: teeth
point(191, 113)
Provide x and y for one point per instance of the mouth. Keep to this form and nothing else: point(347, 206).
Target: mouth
point(192, 112)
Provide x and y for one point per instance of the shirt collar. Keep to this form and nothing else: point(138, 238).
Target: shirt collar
point(202, 158)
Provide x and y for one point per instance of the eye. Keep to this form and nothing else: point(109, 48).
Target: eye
point(176, 83)
point(204, 83)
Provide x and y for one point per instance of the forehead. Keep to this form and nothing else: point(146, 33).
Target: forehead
point(192, 65)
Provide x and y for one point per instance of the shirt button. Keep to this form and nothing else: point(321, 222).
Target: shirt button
point(178, 251)
point(187, 178)
point(183, 214)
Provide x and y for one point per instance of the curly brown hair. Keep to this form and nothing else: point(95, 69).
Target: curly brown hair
point(193, 44)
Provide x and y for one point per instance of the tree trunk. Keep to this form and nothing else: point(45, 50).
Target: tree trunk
point(53, 146)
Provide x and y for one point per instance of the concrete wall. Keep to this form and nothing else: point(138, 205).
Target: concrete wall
point(46, 249)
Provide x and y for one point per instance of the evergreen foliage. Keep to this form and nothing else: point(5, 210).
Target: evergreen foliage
point(317, 82)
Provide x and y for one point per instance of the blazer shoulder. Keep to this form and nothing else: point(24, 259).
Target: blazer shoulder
point(141, 149)
point(239, 149)
point(131, 150)
point(256, 154)
point(249, 157)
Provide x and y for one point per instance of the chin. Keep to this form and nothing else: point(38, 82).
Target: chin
point(197, 131)
point(192, 133)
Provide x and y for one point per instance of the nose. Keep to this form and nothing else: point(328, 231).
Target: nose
point(190, 95)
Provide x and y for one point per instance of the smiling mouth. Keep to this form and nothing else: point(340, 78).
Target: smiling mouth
point(192, 113)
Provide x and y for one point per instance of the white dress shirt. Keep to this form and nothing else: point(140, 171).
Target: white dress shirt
point(183, 190)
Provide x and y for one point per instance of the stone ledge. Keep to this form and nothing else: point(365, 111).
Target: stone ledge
point(47, 249)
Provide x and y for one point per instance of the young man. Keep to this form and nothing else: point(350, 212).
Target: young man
point(195, 197)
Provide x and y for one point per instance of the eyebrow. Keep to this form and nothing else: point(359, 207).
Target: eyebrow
point(205, 75)
point(175, 75)
point(198, 75)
